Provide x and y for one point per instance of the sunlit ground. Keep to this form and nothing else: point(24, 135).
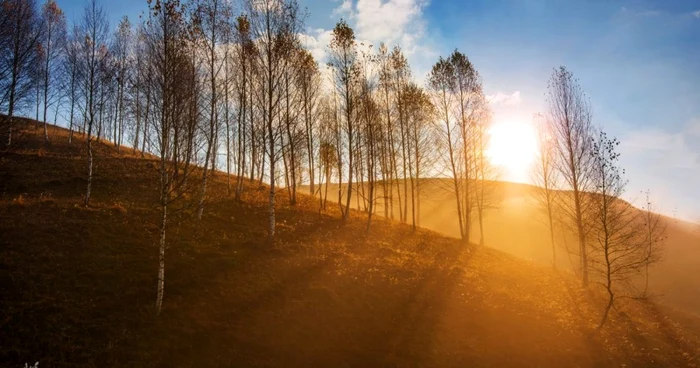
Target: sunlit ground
point(513, 148)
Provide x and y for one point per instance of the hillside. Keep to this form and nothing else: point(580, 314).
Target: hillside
point(517, 227)
point(78, 284)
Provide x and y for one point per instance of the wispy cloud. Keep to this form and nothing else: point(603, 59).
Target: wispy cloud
point(345, 8)
point(696, 14)
point(660, 147)
point(639, 13)
point(666, 162)
point(501, 98)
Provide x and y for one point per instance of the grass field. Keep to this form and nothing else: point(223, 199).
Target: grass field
point(78, 284)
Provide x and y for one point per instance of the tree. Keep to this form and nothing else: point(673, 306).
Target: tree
point(369, 130)
point(441, 84)
point(467, 96)
point(210, 19)
point(292, 145)
point(619, 252)
point(327, 153)
point(342, 61)
point(456, 92)
point(71, 70)
point(94, 32)
point(53, 40)
point(485, 173)
point(19, 55)
point(419, 112)
point(545, 177)
point(654, 238)
point(388, 148)
point(246, 52)
point(569, 116)
point(270, 21)
point(399, 79)
point(121, 49)
point(309, 81)
point(137, 87)
point(172, 86)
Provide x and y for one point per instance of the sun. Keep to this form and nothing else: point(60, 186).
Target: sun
point(513, 147)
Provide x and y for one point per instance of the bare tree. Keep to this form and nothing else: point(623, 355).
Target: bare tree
point(418, 111)
point(270, 22)
point(137, 86)
point(327, 153)
point(343, 62)
point(467, 97)
point(211, 21)
point(619, 252)
point(569, 116)
point(171, 86)
point(19, 55)
point(54, 37)
point(309, 82)
point(485, 173)
point(94, 32)
point(654, 238)
point(121, 50)
point(441, 84)
point(400, 77)
point(71, 70)
point(545, 177)
point(457, 95)
point(368, 129)
point(388, 148)
point(245, 137)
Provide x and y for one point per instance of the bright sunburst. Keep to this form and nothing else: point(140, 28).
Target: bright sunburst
point(513, 147)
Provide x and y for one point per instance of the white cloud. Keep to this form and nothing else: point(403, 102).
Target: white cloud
point(316, 41)
point(393, 22)
point(501, 98)
point(696, 14)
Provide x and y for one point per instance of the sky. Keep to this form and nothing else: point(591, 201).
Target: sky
point(637, 60)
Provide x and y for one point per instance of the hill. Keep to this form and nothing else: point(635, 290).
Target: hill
point(518, 227)
point(79, 284)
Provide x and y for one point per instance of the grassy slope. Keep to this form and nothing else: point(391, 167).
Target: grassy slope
point(78, 284)
point(517, 227)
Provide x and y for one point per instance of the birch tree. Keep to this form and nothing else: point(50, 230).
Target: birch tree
point(54, 37)
point(342, 61)
point(71, 70)
point(270, 22)
point(654, 238)
point(569, 116)
point(210, 19)
point(171, 86)
point(94, 32)
point(544, 176)
point(441, 84)
point(19, 56)
point(619, 245)
point(121, 50)
point(309, 82)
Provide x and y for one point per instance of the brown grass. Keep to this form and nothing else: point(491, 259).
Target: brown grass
point(78, 284)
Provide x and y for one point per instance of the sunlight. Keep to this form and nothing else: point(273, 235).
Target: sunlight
point(513, 147)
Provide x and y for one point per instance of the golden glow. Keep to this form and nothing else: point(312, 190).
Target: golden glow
point(513, 147)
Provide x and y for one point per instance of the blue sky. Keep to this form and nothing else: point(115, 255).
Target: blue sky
point(637, 60)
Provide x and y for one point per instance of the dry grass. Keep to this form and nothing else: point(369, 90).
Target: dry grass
point(78, 284)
